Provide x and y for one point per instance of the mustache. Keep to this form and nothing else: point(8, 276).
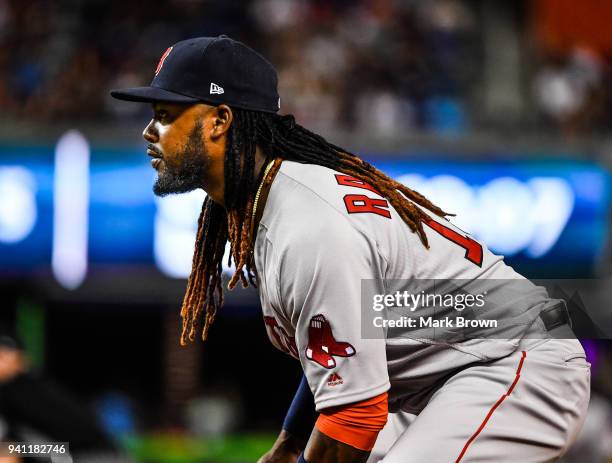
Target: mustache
point(155, 150)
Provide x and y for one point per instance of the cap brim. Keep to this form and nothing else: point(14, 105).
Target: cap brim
point(150, 95)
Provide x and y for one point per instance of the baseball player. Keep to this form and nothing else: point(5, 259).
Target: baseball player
point(320, 231)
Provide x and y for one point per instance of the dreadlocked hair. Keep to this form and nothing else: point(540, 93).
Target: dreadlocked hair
point(280, 138)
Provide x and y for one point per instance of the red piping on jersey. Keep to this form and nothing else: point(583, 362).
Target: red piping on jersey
point(497, 404)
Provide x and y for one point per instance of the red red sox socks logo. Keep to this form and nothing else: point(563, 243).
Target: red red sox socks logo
point(322, 345)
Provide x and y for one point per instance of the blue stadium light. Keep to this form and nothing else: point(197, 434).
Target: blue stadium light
point(508, 214)
point(70, 210)
point(17, 215)
point(176, 223)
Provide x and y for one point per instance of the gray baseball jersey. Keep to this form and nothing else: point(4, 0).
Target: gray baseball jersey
point(321, 235)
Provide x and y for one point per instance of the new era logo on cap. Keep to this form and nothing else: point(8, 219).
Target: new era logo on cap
point(215, 89)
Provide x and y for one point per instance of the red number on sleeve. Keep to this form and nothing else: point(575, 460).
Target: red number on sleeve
point(473, 250)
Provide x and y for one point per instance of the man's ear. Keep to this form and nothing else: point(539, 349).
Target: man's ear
point(222, 121)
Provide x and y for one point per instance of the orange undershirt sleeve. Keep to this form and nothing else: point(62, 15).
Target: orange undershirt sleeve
point(356, 424)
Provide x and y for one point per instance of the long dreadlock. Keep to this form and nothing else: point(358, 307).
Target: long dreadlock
point(279, 137)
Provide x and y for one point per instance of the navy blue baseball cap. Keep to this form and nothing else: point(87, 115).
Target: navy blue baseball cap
point(213, 70)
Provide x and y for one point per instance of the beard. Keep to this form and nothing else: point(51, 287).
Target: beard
point(188, 175)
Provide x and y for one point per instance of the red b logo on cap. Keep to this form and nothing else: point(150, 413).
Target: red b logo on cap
point(162, 59)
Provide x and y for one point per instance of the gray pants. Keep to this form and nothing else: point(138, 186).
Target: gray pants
point(527, 407)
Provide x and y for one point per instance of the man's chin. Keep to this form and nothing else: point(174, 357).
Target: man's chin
point(164, 187)
point(161, 192)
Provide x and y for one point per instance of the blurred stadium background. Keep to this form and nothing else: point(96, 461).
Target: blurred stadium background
point(500, 111)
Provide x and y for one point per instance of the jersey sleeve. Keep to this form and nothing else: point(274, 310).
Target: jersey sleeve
point(320, 270)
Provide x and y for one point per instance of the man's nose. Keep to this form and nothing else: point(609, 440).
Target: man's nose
point(149, 133)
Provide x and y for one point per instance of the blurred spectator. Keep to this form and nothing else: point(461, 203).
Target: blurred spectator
point(573, 74)
point(568, 90)
point(34, 409)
